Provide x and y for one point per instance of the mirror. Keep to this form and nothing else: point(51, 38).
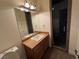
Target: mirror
point(24, 22)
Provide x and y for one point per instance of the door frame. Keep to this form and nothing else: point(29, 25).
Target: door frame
point(68, 23)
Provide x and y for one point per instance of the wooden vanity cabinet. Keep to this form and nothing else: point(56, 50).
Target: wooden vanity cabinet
point(38, 51)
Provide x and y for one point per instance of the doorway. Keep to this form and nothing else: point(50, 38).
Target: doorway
point(60, 22)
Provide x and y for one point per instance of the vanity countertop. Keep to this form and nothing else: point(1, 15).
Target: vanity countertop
point(32, 42)
point(28, 36)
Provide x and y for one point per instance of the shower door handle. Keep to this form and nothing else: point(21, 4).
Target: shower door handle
point(64, 29)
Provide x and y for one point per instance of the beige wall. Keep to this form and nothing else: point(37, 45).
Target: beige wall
point(32, 2)
point(21, 21)
point(41, 20)
point(74, 27)
point(78, 40)
point(9, 35)
point(77, 22)
point(5, 4)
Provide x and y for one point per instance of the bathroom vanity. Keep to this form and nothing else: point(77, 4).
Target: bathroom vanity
point(36, 45)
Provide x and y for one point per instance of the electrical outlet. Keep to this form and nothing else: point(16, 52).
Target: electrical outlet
point(43, 26)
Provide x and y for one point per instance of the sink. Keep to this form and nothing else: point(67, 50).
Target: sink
point(29, 35)
point(38, 37)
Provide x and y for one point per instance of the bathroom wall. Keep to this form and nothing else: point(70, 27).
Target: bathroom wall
point(74, 29)
point(78, 40)
point(9, 35)
point(32, 2)
point(77, 22)
point(41, 20)
point(5, 4)
point(22, 22)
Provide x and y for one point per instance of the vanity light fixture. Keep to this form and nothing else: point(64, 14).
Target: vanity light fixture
point(27, 7)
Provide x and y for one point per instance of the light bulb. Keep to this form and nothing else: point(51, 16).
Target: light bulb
point(32, 7)
point(27, 5)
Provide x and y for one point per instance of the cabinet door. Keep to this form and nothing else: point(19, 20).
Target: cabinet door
point(41, 48)
point(29, 52)
point(38, 53)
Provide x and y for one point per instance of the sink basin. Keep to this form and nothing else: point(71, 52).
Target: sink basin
point(37, 37)
point(29, 35)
